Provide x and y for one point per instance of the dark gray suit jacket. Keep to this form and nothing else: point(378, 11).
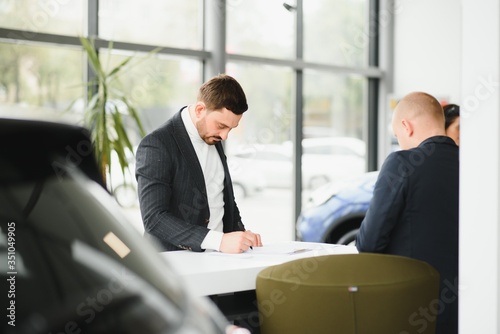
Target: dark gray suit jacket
point(172, 192)
point(414, 213)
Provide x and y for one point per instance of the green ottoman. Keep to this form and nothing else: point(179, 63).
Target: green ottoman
point(352, 293)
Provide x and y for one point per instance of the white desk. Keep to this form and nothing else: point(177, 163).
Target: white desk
point(213, 273)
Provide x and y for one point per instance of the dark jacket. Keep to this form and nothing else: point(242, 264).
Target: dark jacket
point(414, 213)
point(172, 192)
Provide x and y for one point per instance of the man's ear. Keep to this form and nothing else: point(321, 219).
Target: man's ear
point(199, 109)
point(408, 127)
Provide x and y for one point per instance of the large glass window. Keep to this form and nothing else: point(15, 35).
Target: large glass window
point(334, 105)
point(336, 32)
point(168, 22)
point(327, 87)
point(39, 79)
point(257, 152)
point(333, 156)
point(261, 28)
point(334, 128)
point(158, 85)
point(43, 16)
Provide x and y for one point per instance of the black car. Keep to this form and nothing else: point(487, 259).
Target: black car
point(71, 260)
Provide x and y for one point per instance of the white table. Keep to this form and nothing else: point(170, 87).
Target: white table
point(229, 279)
point(213, 273)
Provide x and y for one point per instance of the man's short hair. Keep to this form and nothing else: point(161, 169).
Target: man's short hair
point(223, 91)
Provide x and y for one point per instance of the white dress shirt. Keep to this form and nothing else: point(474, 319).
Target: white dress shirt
point(213, 172)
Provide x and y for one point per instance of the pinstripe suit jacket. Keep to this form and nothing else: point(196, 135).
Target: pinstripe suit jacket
point(172, 192)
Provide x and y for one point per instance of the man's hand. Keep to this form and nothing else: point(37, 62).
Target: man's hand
point(232, 329)
point(239, 242)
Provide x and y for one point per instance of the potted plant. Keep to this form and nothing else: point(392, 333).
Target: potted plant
point(104, 110)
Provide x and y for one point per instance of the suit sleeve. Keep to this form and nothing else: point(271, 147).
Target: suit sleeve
point(385, 208)
point(155, 179)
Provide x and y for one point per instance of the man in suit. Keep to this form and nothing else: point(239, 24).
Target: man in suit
point(185, 190)
point(414, 209)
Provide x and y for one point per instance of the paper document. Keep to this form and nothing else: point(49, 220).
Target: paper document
point(266, 251)
point(286, 249)
point(278, 250)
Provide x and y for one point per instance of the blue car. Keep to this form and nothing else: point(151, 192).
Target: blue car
point(336, 211)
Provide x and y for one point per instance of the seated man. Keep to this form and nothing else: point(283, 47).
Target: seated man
point(414, 209)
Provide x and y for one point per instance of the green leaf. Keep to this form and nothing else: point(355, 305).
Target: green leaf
point(119, 67)
point(135, 116)
point(122, 136)
point(105, 107)
point(93, 57)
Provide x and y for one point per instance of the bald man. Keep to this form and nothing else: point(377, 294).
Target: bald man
point(414, 209)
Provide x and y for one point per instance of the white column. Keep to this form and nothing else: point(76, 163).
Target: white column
point(479, 168)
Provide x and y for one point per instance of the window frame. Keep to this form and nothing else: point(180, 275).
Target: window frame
point(214, 59)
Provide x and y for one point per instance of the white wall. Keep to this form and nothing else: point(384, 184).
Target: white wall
point(451, 49)
point(426, 38)
point(427, 48)
point(479, 168)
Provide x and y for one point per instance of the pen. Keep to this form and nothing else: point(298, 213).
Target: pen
point(301, 250)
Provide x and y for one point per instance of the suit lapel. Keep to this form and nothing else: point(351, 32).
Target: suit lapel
point(181, 137)
point(222, 156)
point(228, 189)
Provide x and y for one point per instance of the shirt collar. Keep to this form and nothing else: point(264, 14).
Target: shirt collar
point(190, 127)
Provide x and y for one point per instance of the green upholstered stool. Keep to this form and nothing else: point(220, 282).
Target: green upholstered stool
point(352, 293)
